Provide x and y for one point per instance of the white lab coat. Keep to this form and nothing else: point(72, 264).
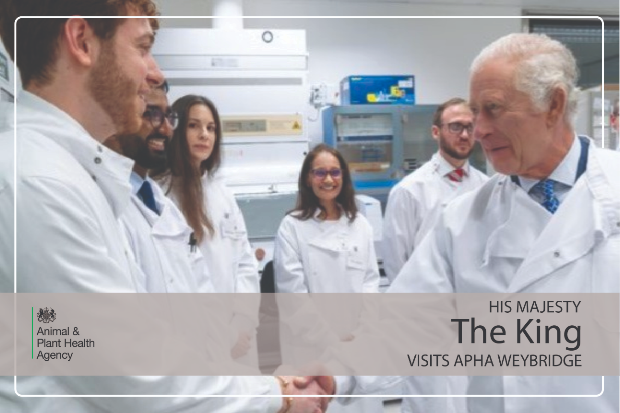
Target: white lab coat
point(229, 257)
point(160, 244)
point(497, 239)
point(71, 192)
point(316, 256)
point(319, 256)
point(414, 205)
point(228, 253)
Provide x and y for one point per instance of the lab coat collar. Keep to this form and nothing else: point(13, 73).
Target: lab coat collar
point(171, 221)
point(511, 238)
point(588, 216)
point(108, 169)
point(332, 234)
point(318, 211)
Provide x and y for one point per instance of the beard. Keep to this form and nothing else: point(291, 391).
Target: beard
point(114, 91)
point(137, 148)
point(452, 152)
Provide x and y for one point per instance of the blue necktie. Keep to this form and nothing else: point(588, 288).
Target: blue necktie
point(146, 194)
point(549, 200)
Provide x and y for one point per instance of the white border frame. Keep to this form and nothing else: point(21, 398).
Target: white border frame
point(268, 17)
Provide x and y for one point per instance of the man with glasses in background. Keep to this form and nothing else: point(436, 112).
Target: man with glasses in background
point(413, 207)
point(415, 203)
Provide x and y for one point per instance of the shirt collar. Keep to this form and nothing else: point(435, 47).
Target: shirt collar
point(564, 173)
point(109, 170)
point(444, 167)
point(136, 182)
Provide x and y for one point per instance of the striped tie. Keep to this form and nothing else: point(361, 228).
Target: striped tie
point(548, 198)
point(456, 175)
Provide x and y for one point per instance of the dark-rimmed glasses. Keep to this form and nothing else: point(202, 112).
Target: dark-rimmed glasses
point(457, 127)
point(321, 173)
point(156, 116)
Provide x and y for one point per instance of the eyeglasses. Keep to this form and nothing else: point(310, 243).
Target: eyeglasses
point(457, 127)
point(156, 116)
point(322, 173)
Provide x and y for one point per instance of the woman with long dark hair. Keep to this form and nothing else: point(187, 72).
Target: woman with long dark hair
point(324, 245)
point(194, 156)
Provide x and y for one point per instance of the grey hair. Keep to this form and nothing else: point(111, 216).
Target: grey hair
point(543, 64)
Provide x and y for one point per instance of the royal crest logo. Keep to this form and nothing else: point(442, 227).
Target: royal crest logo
point(46, 316)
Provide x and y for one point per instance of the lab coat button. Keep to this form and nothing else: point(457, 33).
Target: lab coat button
point(94, 178)
point(556, 254)
point(97, 160)
point(99, 148)
point(618, 224)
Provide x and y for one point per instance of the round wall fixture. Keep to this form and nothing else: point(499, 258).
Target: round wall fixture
point(267, 36)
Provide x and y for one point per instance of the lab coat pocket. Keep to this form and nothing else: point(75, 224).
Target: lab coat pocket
point(323, 262)
point(230, 228)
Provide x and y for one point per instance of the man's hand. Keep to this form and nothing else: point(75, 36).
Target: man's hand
point(326, 383)
point(307, 386)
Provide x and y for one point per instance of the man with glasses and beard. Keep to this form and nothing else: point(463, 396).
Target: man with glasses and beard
point(158, 235)
point(413, 208)
point(415, 203)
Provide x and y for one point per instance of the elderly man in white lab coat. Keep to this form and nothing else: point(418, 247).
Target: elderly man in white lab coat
point(549, 221)
point(72, 190)
point(415, 202)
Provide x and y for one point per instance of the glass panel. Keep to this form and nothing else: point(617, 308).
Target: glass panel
point(583, 38)
point(365, 141)
point(264, 213)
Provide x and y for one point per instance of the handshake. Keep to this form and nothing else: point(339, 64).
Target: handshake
point(310, 386)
